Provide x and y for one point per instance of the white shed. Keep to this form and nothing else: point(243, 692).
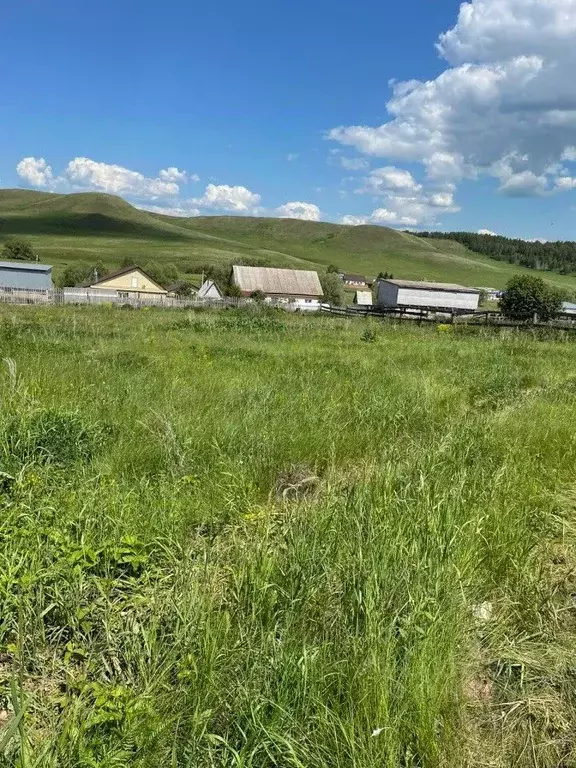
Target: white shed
point(363, 298)
point(209, 290)
point(413, 293)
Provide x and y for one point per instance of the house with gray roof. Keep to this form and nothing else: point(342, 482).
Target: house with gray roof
point(298, 287)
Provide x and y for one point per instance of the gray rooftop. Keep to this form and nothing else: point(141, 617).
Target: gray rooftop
point(30, 266)
point(281, 282)
point(426, 286)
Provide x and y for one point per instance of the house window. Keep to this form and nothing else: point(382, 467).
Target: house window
point(134, 282)
point(123, 294)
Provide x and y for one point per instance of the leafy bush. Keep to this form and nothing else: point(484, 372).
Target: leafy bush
point(526, 296)
point(81, 273)
point(183, 288)
point(333, 290)
point(18, 249)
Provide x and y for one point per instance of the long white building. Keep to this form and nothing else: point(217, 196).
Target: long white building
point(413, 293)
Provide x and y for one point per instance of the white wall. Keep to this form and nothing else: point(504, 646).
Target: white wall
point(414, 297)
point(390, 295)
point(295, 303)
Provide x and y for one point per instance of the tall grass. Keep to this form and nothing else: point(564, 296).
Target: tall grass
point(252, 539)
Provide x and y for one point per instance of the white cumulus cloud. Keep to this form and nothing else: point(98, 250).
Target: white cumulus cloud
point(35, 171)
point(221, 197)
point(354, 221)
point(161, 194)
point(173, 174)
point(117, 180)
point(83, 173)
point(298, 210)
point(487, 232)
point(382, 180)
point(183, 209)
point(504, 107)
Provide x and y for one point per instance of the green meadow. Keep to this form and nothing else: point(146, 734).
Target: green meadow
point(249, 539)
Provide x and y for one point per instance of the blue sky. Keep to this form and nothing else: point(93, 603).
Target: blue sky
point(418, 114)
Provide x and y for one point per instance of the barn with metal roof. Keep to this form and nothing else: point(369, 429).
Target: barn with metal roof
point(299, 287)
point(418, 293)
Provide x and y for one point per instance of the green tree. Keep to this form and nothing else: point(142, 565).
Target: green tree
point(171, 271)
point(157, 273)
point(332, 268)
point(81, 273)
point(526, 296)
point(231, 289)
point(258, 296)
point(18, 249)
point(183, 288)
point(332, 288)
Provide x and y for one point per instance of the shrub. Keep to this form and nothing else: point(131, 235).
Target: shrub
point(526, 296)
point(332, 288)
point(18, 249)
point(81, 273)
point(183, 288)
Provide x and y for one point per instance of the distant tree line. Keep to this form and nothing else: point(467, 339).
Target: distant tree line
point(558, 256)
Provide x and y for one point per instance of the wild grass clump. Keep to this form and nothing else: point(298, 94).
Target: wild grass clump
point(260, 541)
point(51, 436)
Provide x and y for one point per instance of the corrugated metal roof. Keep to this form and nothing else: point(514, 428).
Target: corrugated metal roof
point(280, 282)
point(425, 286)
point(31, 266)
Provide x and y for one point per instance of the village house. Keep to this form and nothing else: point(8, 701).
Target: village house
point(413, 293)
point(129, 282)
point(353, 281)
point(25, 276)
point(299, 288)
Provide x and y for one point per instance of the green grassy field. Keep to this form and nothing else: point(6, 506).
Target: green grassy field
point(252, 539)
point(89, 227)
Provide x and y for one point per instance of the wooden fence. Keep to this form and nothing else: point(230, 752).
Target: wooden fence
point(564, 321)
point(60, 296)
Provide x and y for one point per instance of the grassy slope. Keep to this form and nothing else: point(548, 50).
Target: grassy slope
point(90, 226)
point(161, 604)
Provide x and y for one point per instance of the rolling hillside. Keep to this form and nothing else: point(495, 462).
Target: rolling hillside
point(89, 227)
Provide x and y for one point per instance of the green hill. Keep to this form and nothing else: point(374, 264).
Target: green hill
point(89, 227)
